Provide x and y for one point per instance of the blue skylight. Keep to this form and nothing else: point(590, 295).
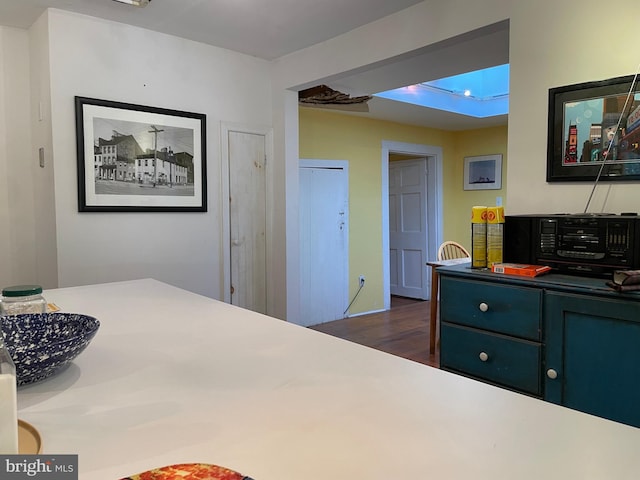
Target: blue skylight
point(483, 93)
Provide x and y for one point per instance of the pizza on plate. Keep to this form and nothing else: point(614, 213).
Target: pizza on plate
point(189, 471)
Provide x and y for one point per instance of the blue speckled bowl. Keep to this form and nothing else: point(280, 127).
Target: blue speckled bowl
point(42, 343)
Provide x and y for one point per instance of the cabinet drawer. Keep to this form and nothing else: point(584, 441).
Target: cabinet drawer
point(509, 361)
point(491, 306)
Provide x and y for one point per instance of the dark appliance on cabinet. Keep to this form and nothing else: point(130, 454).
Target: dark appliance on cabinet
point(587, 244)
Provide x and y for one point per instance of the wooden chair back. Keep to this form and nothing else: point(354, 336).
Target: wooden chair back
point(450, 249)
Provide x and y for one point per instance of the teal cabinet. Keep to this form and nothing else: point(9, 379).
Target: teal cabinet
point(491, 332)
point(512, 310)
point(592, 359)
point(499, 359)
point(567, 340)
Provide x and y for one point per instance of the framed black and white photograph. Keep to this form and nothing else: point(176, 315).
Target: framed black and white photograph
point(134, 158)
point(594, 131)
point(483, 172)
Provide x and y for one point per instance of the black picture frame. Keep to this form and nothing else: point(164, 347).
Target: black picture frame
point(135, 158)
point(578, 115)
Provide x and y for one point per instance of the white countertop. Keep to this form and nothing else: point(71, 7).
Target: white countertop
point(175, 377)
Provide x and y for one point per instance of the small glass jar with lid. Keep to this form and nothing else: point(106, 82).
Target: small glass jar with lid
point(22, 299)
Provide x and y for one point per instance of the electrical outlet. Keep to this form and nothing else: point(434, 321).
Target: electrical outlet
point(361, 280)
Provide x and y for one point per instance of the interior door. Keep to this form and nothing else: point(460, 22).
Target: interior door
point(324, 233)
point(408, 228)
point(247, 220)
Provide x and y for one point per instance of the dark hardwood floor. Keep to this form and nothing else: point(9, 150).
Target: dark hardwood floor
point(402, 331)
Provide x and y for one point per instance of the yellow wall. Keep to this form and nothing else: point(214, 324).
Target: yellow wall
point(334, 136)
point(469, 143)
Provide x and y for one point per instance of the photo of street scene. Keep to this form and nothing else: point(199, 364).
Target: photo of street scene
point(590, 130)
point(132, 158)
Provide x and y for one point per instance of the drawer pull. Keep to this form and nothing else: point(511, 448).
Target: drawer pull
point(552, 374)
point(483, 356)
point(483, 307)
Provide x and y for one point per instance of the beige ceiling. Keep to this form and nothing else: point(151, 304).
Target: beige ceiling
point(269, 29)
point(263, 28)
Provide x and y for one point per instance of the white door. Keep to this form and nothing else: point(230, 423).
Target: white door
point(247, 220)
point(408, 228)
point(324, 233)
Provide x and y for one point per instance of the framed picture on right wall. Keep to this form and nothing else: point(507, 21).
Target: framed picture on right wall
point(594, 131)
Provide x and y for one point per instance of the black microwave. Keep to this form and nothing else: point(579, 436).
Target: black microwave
point(589, 244)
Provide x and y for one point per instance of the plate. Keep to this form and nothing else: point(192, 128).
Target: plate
point(29, 441)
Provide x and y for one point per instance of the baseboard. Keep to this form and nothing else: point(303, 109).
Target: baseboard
point(365, 313)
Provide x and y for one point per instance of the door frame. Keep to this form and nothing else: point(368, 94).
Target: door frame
point(434, 204)
point(223, 199)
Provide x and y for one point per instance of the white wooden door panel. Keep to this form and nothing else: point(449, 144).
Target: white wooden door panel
point(408, 228)
point(323, 241)
point(247, 212)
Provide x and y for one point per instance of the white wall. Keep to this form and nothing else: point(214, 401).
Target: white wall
point(284, 252)
point(554, 44)
point(46, 251)
point(95, 58)
point(18, 264)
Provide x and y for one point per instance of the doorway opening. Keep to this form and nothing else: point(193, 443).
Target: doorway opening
point(425, 198)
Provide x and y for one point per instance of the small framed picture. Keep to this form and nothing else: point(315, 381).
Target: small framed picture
point(483, 172)
point(134, 158)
